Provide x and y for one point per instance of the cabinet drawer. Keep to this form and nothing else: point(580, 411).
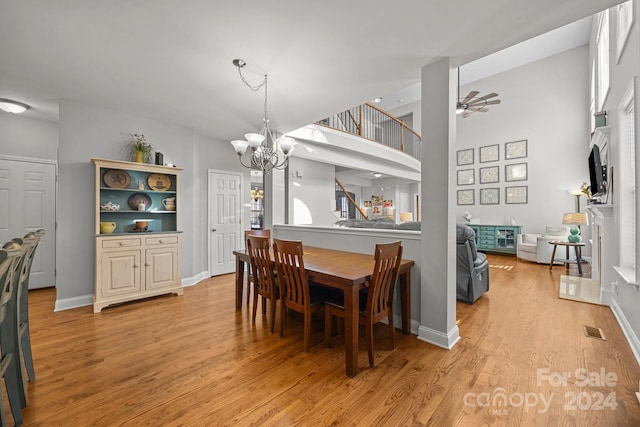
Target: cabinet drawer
point(121, 243)
point(161, 240)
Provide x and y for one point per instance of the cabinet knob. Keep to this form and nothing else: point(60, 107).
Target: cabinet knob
point(213, 230)
point(147, 265)
point(160, 241)
point(135, 266)
point(121, 243)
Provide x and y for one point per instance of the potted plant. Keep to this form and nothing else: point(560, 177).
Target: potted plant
point(138, 149)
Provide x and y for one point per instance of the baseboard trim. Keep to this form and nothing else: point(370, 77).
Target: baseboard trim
point(438, 338)
point(190, 281)
point(632, 338)
point(75, 302)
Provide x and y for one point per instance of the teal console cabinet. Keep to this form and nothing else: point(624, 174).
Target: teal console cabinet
point(496, 238)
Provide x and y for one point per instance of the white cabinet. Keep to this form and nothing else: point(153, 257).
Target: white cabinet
point(130, 268)
point(131, 262)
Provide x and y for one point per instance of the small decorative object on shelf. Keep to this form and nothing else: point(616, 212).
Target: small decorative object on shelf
point(467, 217)
point(138, 149)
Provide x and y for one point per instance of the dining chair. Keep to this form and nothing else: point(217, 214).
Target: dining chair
point(264, 281)
point(22, 308)
point(296, 292)
point(11, 257)
point(377, 302)
point(260, 232)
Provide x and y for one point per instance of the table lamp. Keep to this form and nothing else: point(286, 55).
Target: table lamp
point(575, 219)
point(406, 216)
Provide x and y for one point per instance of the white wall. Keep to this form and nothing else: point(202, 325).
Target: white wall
point(312, 195)
point(85, 132)
point(625, 299)
point(546, 103)
point(24, 137)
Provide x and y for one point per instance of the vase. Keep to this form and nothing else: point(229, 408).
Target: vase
point(139, 157)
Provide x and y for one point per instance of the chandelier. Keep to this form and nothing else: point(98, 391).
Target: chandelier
point(267, 152)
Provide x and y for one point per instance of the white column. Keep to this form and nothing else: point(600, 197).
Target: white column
point(438, 242)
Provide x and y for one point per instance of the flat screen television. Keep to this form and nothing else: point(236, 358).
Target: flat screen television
point(597, 173)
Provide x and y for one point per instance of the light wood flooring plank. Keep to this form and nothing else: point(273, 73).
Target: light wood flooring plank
point(196, 361)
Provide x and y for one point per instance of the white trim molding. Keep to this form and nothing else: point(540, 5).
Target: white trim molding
point(438, 338)
point(75, 302)
point(194, 280)
point(632, 338)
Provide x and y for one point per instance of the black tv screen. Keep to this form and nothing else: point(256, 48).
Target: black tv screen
point(596, 173)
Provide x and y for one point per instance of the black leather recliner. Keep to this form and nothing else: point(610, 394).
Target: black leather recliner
point(472, 267)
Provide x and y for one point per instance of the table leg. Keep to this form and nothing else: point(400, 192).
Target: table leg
point(239, 282)
point(579, 259)
point(553, 256)
point(566, 264)
point(405, 300)
point(351, 322)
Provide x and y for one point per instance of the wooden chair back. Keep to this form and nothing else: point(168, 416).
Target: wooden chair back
point(261, 265)
point(292, 276)
point(264, 283)
point(9, 264)
point(261, 233)
point(385, 275)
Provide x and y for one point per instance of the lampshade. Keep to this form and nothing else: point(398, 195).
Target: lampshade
point(240, 146)
point(575, 218)
point(406, 216)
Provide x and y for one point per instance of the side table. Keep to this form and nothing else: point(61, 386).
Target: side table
point(577, 248)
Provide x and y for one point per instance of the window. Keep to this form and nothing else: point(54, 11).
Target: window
point(602, 47)
point(627, 175)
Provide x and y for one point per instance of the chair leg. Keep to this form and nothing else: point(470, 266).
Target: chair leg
point(307, 331)
point(255, 307)
point(369, 333)
point(25, 342)
point(282, 317)
point(273, 302)
point(328, 323)
point(14, 388)
point(392, 330)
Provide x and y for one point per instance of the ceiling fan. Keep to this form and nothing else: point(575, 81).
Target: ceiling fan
point(473, 103)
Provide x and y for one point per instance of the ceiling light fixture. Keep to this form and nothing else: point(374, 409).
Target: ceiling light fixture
point(13, 107)
point(377, 174)
point(378, 100)
point(266, 150)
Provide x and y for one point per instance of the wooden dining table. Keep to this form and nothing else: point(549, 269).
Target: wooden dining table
point(349, 272)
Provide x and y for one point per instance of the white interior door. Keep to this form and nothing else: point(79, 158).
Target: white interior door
point(28, 203)
point(224, 221)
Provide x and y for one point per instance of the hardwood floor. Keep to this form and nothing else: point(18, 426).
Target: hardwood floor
point(194, 360)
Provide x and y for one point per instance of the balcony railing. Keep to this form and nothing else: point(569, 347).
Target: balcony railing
point(370, 122)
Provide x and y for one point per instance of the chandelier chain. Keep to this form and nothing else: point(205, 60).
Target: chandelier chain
point(255, 89)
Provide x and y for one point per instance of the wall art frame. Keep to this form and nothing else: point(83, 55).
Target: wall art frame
point(516, 172)
point(489, 175)
point(490, 153)
point(466, 177)
point(466, 197)
point(490, 196)
point(515, 149)
point(516, 195)
point(465, 157)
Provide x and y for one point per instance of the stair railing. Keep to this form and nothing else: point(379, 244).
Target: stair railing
point(370, 122)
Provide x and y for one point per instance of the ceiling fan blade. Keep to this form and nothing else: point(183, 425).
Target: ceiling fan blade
point(491, 95)
point(483, 110)
point(494, 102)
point(469, 97)
point(465, 115)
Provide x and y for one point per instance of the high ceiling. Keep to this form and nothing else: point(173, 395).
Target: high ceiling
point(171, 60)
